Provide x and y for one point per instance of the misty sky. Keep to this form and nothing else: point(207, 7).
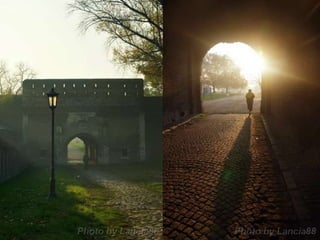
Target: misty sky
point(43, 35)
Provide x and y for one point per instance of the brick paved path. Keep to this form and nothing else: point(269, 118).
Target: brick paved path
point(221, 181)
point(144, 208)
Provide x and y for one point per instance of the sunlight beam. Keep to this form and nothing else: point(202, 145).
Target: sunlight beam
point(251, 63)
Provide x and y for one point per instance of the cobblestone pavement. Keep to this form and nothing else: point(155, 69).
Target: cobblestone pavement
point(221, 182)
point(144, 208)
point(303, 167)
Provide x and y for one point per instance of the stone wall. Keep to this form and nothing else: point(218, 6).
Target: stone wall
point(107, 114)
point(83, 92)
point(113, 118)
point(11, 162)
point(153, 120)
point(10, 137)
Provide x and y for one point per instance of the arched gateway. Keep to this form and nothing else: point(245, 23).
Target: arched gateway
point(106, 114)
point(287, 32)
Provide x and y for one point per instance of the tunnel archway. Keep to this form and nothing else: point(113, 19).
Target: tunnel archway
point(288, 31)
point(76, 150)
point(228, 71)
point(80, 147)
point(195, 28)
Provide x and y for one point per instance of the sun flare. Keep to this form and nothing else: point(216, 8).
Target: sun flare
point(249, 61)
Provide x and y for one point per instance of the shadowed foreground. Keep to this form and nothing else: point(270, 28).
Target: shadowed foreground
point(90, 204)
point(221, 181)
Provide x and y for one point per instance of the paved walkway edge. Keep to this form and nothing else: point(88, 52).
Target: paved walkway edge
point(169, 129)
point(299, 204)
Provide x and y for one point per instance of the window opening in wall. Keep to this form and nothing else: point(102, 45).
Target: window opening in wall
point(54, 85)
point(84, 85)
point(108, 86)
point(64, 85)
point(95, 85)
point(43, 86)
point(74, 85)
point(124, 85)
point(32, 85)
point(125, 94)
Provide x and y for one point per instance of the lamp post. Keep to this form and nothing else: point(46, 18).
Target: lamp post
point(52, 101)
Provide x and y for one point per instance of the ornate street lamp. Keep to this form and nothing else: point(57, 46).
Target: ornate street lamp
point(52, 101)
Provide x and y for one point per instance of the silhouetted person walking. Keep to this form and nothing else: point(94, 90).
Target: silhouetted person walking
point(250, 96)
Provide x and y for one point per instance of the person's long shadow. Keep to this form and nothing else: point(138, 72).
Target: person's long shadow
point(231, 183)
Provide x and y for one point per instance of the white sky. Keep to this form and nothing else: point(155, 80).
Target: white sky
point(43, 35)
point(250, 62)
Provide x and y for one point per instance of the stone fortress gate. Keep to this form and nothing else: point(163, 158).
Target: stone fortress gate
point(106, 114)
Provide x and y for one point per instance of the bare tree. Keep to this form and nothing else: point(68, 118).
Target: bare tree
point(21, 73)
point(3, 77)
point(11, 83)
point(135, 30)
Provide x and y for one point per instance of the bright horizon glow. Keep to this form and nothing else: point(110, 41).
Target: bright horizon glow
point(41, 34)
point(251, 63)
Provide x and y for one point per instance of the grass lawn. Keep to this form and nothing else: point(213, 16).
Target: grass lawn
point(214, 96)
point(26, 212)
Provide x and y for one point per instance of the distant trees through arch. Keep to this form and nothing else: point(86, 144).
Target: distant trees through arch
point(76, 150)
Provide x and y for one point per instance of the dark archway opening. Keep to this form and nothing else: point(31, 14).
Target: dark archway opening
point(82, 149)
point(228, 71)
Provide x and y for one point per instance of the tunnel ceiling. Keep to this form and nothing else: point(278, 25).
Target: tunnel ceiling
point(209, 9)
point(206, 22)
